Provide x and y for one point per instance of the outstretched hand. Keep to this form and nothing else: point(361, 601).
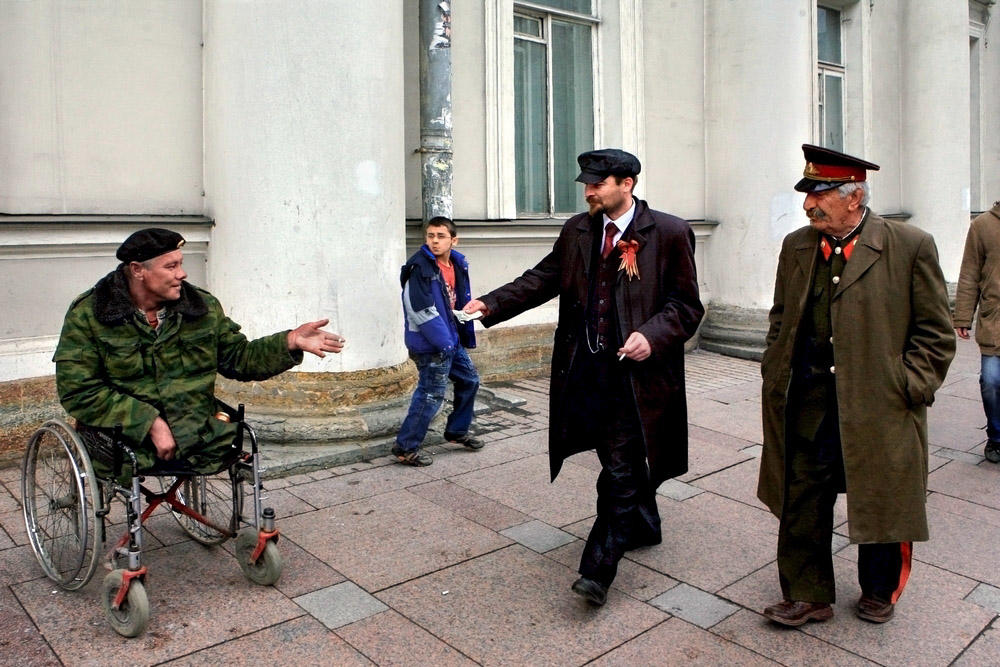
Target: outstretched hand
point(476, 306)
point(310, 337)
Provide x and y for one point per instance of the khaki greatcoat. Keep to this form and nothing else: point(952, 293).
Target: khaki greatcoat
point(893, 342)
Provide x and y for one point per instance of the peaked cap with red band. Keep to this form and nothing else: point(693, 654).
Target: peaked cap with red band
point(827, 169)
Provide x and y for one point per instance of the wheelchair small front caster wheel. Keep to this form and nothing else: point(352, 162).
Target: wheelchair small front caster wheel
point(132, 616)
point(266, 570)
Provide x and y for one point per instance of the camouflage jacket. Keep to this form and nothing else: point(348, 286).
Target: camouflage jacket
point(112, 367)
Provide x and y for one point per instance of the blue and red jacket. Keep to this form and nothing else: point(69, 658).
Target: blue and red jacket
point(428, 323)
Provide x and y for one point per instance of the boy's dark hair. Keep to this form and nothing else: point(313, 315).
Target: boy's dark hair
point(441, 221)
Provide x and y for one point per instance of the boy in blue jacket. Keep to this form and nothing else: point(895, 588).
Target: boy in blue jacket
point(435, 282)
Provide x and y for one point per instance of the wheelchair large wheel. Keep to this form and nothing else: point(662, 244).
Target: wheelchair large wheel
point(132, 616)
point(268, 567)
point(219, 498)
point(60, 496)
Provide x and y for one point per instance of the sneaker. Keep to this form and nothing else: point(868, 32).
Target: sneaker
point(466, 440)
point(992, 451)
point(415, 458)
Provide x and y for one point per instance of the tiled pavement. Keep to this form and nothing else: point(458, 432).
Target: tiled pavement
point(470, 561)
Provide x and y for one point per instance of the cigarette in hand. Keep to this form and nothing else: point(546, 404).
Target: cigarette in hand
point(621, 356)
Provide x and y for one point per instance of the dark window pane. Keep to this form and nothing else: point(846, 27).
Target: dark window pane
point(828, 35)
point(572, 110)
point(530, 128)
point(579, 6)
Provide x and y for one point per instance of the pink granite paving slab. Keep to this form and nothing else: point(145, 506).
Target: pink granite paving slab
point(283, 503)
point(784, 645)
point(364, 484)
point(524, 485)
point(588, 460)
point(706, 457)
point(748, 390)
point(633, 579)
point(737, 482)
point(534, 617)
point(978, 484)
point(535, 442)
point(984, 652)
point(732, 443)
point(6, 542)
point(198, 598)
point(302, 572)
point(391, 639)
point(704, 545)
point(18, 565)
point(962, 387)
point(932, 625)
point(382, 541)
point(8, 503)
point(964, 538)
point(956, 422)
point(300, 641)
point(677, 642)
point(20, 641)
point(741, 420)
point(451, 460)
point(13, 525)
point(471, 505)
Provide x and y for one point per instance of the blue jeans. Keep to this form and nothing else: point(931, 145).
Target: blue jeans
point(989, 385)
point(434, 371)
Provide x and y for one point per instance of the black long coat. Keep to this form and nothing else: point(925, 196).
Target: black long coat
point(662, 304)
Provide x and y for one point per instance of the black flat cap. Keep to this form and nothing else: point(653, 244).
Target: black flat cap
point(827, 169)
point(595, 166)
point(147, 244)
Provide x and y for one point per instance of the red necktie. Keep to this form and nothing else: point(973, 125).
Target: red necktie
point(609, 236)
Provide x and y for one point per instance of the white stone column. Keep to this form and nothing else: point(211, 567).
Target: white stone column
point(304, 170)
point(759, 109)
point(934, 138)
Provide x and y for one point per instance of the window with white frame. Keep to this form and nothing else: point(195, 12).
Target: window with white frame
point(553, 102)
point(830, 72)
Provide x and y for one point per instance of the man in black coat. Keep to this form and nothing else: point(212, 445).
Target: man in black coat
point(628, 301)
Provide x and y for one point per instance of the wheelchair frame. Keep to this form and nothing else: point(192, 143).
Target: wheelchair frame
point(66, 505)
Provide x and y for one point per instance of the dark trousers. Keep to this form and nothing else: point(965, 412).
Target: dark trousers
point(814, 477)
point(627, 516)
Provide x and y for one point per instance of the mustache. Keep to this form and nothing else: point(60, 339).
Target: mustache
point(816, 214)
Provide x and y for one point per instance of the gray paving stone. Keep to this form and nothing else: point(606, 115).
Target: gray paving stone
point(755, 451)
point(986, 596)
point(676, 490)
point(340, 604)
point(839, 542)
point(694, 605)
point(538, 536)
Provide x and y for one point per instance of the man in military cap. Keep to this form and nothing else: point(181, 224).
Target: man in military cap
point(628, 301)
point(142, 348)
point(860, 338)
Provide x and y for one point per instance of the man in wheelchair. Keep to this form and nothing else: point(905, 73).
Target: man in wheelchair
point(142, 348)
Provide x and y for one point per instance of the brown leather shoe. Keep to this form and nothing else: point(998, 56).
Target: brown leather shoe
point(875, 610)
point(796, 612)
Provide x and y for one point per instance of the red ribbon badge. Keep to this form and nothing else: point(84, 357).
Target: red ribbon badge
point(628, 250)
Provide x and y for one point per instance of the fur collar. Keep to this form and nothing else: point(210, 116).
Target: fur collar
point(113, 304)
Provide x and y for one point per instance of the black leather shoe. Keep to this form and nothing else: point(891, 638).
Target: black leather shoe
point(595, 593)
point(874, 610)
point(992, 451)
point(796, 612)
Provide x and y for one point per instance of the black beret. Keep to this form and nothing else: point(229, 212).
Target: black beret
point(595, 166)
point(147, 244)
point(827, 169)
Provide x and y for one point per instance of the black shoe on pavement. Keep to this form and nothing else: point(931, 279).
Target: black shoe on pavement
point(467, 440)
point(992, 451)
point(595, 593)
point(415, 458)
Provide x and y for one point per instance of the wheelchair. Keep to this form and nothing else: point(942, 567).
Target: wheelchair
point(66, 507)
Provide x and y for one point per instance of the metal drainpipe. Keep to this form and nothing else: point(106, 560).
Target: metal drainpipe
point(435, 107)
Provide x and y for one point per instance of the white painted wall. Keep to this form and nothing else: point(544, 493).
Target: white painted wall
point(101, 107)
point(934, 36)
point(674, 161)
point(758, 100)
point(304, 135)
